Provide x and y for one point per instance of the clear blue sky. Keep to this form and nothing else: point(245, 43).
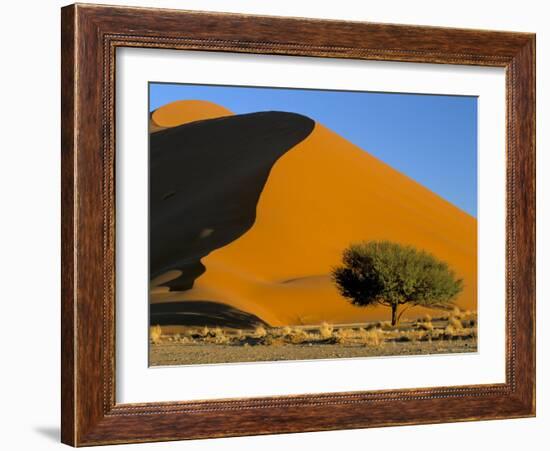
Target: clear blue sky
point(431, 138)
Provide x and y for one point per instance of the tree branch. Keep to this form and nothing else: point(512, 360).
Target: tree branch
point(403, 311)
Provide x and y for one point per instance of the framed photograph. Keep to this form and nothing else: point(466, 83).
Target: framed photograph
point(279, 225)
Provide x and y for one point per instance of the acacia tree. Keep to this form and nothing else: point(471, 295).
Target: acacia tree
point(394, 275)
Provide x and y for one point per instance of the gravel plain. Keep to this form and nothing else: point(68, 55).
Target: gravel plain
point(166, 354)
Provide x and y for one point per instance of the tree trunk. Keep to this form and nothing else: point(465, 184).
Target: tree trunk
point(393, 314)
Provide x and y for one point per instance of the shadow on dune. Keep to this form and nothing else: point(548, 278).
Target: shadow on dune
point(202, 313)
point(205, 181)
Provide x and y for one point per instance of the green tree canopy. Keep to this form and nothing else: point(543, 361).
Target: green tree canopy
point(391, 274)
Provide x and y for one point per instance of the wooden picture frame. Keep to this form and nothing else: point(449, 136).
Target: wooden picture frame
point(90, 36)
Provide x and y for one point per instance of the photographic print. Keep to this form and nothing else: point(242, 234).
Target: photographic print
point(296, 215)
point(298, 224)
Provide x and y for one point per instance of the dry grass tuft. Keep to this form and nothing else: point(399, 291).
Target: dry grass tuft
point(450, 330)
point(218, 336)
point(457, 313)
point(155, 333)
point(221, 339)
point(419, 335)
point(326, 331)
point(271, 340)
point(454, 327)
point(455, 323)
point(344, 335)
point(260, 332)
point(298, 336)
point(371, 337)
point(428, 326)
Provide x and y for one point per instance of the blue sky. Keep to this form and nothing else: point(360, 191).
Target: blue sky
point(431, 138)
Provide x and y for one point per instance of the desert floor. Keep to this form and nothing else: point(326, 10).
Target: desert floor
point(174, 354)
point(456, 333)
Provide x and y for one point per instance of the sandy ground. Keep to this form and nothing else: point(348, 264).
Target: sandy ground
point(184, 354)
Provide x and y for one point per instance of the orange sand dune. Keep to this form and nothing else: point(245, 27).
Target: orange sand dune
point(322, 195)
point(183, 111)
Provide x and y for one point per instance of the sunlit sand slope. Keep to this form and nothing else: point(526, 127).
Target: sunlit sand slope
point(320, 196)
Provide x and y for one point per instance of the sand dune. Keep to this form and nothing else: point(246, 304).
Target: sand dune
point(319, 197)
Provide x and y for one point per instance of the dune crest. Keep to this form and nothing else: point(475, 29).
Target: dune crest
point(183, 111)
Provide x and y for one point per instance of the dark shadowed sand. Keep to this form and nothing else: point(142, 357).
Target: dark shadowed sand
point(205, 181)
point(201, 313)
